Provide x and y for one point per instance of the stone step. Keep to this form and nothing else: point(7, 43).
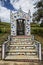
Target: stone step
point(19, 53)
point(23, 36)
point(13, 42)
point(21, 44)
point(21, 39)
point(20, 50)
point(21, 47)
point(19, 57)
point(13, 48)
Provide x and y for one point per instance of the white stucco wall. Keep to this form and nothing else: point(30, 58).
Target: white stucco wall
point(17, 15)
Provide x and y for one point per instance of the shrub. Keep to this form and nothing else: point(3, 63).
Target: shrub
point(41, 25)
point(38, 31)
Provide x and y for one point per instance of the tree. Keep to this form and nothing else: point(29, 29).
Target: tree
point(39, 13)
point(41, 24)
point(0, 19)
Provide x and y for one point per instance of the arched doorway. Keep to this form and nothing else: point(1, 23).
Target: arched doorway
point(20, 27)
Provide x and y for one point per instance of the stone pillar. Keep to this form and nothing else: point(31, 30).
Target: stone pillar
point(13, 24)
point(33, 37)
point(3, 51)
point(27, 28)
point(39, 51)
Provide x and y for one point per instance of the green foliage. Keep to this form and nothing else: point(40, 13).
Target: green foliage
point(4, 27)
point(3, 37)
point(37, 29)
point(35, 24)
point(39, 13)
point(0, 19)
point(41, 25)
point(39, 4)
point(4, 31)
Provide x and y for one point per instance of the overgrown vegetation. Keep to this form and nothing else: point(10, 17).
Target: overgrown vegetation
point(4, 31)
point(36, 29)
point(4, 27)
point(41, 25)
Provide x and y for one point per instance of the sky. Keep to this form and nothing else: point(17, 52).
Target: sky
point(14, 5)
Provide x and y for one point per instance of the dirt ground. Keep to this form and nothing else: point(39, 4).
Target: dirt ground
point(20, 63)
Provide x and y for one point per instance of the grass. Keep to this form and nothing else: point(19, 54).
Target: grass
point(4, 27)
point(37, 31)
point(40, 39)
point(3, 37)
point(37, 28)
point(4, 31)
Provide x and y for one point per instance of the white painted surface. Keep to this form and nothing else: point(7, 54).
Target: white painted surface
point(14, 17)
point(3, 51)
point(40, 51)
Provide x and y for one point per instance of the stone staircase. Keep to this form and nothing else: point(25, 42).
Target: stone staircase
point(21, 48)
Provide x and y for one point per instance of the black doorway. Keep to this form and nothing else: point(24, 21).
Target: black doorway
point(20, 27)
